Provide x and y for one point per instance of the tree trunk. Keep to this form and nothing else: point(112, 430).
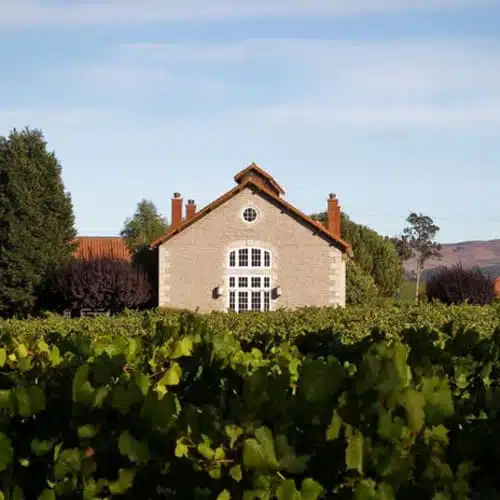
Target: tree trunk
point(417, 289)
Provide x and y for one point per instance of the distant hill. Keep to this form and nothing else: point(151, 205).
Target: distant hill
point(482, 254)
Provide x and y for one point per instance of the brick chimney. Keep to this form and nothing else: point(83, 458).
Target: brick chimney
point(333, 215)
point(190, 209)
point(176, 210)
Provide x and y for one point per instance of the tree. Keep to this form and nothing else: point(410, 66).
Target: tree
point(139, 231)
point(402, 247)
point(419, 238)
point(145, 226)
point(374, 254)
point(360, 286)
point(37, 226)
point(98, 284)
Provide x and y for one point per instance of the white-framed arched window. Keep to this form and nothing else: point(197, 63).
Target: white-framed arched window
point(250, 257)
point(249, 279)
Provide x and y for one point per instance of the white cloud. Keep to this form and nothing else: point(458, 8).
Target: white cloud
point(431, 83)
point(389, 66)
point(319, 84)
point(29, 12)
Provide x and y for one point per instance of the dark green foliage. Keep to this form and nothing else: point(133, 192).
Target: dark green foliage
point(172, 407)
point(456, 285)
point(111, 285)
point(145, 260)
point(375, 255)
point(360, 286)
point(402, 246)
point(139, 231)
point(36, 219)
point(145, 226)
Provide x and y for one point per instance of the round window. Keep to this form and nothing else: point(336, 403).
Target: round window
point(249, 214)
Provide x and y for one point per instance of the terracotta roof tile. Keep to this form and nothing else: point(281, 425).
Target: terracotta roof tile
point(102, 247)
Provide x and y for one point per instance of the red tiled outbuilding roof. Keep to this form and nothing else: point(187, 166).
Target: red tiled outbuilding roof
point(102, 247)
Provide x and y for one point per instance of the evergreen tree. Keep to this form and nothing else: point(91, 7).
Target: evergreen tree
point(37, 228)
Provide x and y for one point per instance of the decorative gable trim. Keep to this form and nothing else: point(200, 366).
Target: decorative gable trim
point(256, 172)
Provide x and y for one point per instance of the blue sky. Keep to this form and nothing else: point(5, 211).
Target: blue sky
point(394, 105)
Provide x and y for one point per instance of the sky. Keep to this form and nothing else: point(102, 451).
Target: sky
point(394, 105)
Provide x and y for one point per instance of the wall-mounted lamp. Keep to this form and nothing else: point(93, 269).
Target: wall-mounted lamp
point(277, 291)
point(218, 291)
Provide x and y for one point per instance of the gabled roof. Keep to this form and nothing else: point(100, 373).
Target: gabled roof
point(101, 247)
point(254, 170)
point(258, 185)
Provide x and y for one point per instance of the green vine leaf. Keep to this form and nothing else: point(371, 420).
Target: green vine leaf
point(414, 403)
point(224, 495)
point(233, 432)
point(259, 453)
point(333, 430)
point(183, 347)
point(6, 452)
point(69, 462)
point(136, 451)
point(289, 460)
point(287, 491)
point(181, 448)
point(124, 482)
point(87, 431)
point(47, 495)
point(236, 473)
point(354, 450)
point(172, 376)
point(82, 390)
point(310, 489)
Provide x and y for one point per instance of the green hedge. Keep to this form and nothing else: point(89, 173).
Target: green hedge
point(356, 403)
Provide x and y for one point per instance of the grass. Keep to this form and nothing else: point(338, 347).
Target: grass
point(408, 290)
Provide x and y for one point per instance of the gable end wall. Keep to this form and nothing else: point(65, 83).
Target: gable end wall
point(309, 270)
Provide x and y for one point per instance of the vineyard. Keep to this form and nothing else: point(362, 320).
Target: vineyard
point(362, 403)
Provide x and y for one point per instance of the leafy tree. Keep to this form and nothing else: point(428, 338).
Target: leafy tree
point(402, 247)
point(98, 284)
point(456, 285)
point(360, 286)
point(145, 226)
point(419, 237)
point(139, 231)
point(37, 228)
point(374, 254)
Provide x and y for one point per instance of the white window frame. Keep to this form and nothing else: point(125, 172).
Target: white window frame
point(237, 289)
point(257, 214)
point(249, 249)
